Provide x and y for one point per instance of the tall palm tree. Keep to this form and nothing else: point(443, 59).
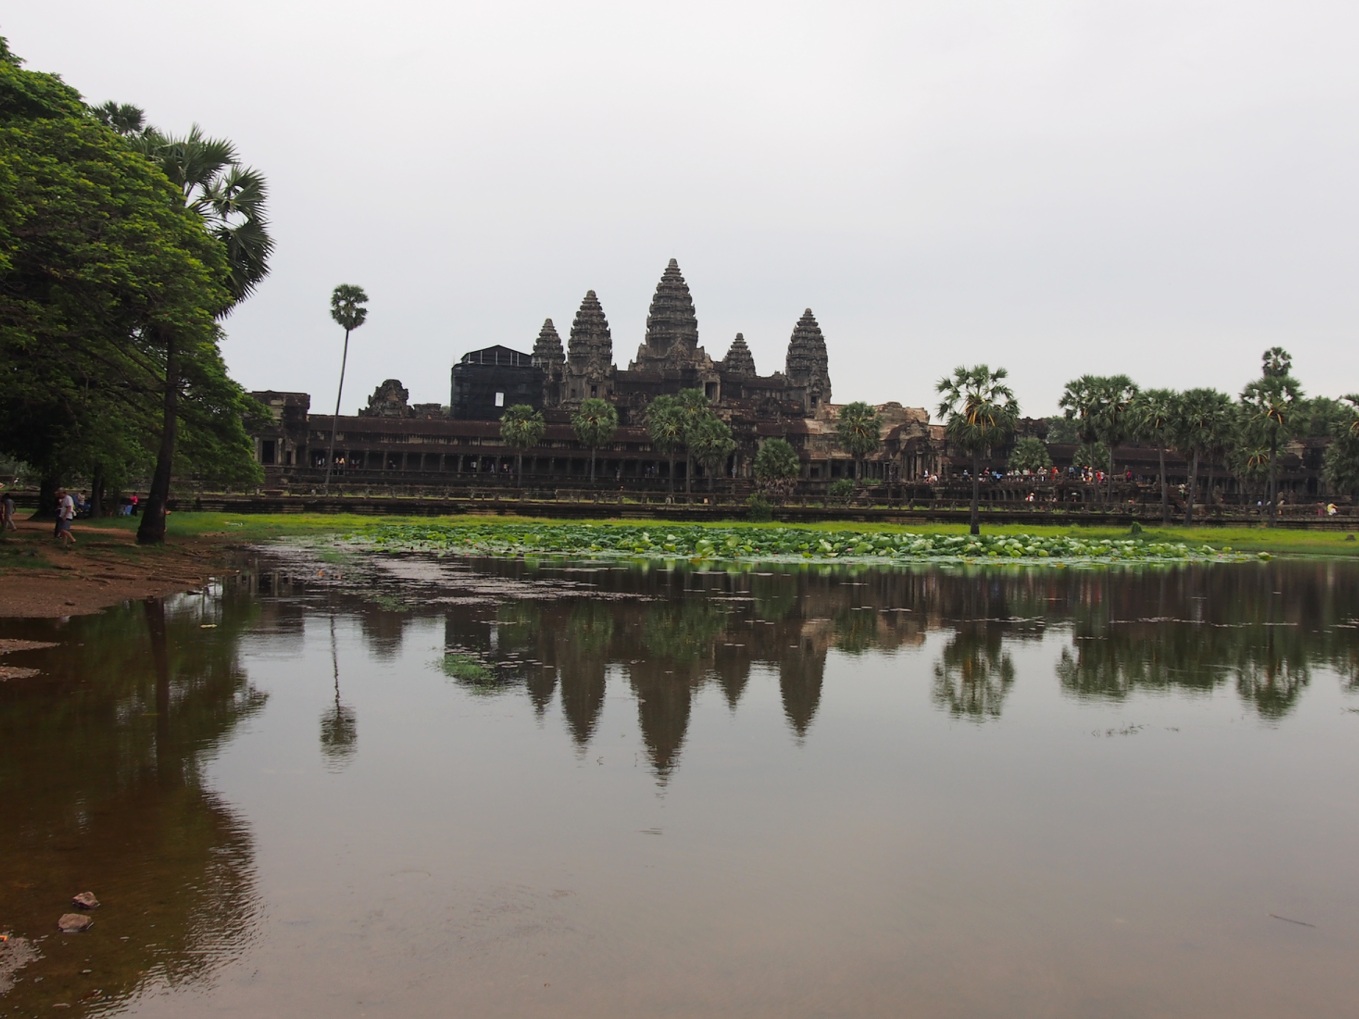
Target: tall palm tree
point(1099, 405)
point(859, 430)
point(348, 309)
point(1152, 415)
point(979, 411)
point(231, 200)
point(1269, 403)
point(665, 426)
point(521, 428)
point(1200, 417)
point(594, 424)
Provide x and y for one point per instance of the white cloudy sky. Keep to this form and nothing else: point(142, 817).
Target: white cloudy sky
point(1158, 187)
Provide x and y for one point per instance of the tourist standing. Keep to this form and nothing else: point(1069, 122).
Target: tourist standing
point(65, 514)
point(7, 509)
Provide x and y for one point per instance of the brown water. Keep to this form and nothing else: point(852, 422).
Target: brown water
point(426, 787)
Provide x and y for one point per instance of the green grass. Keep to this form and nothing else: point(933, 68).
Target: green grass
point(249, 528)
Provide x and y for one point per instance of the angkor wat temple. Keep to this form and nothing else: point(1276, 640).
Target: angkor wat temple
point(392, 441)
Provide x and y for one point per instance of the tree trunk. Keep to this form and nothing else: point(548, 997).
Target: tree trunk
point(151, 531)
point(47, 498)
point(592, 465)
point(1165, 493)
point(1193, 488)
point(1273, 480)
point(335, 421)
point(975, 519)
point(98, 488)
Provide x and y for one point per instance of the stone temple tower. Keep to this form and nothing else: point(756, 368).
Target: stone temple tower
point(550, 359)
point(739, 359)
point(671, 327)
point(808, 366)
point(589, 354)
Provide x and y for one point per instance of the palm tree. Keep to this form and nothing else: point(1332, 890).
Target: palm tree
point(694, 410)
point(1152, 414)
point(1270, 401)
point(1200, 417)
point(521, 428)
point(777, 467)
point(1099, 404)
point(711, 443)
point(979, 411)
point(348, 309)
point(665, 425)
point(859, 431)
point(231, 199)
point(594, 424)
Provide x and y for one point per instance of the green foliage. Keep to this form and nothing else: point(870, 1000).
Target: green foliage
point(594, 423)
point(759, 509)
point(1030, 454)
point(840, 491)
point(1062, 430)
point(777, 468)
point(521, 428)
point(1341, 466)
point(710, 443)
point(763, 544)
point(979, 411)
point(859, 431)
point(99, 261)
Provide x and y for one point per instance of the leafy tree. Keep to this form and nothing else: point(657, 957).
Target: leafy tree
point(521, 428)
point(1100, 405)
point(694, 410)
point(1062, 430)
point(1090, 456)
point(777, 468)
point(230, 199)
point(98, 260)
point(1030, 454)
point(1270, 401)
point(665, 425)
point(1341, 466)
point(594, 423)
point(1200, 417)
point(710, 443)
point(859, 431)
point(348, 307)
point(1153, 416)
point(979, 411)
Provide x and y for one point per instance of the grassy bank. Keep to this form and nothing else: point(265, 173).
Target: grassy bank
point(253, 528)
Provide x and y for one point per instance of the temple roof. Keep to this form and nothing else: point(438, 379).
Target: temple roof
point(807, 362)
point(671, 326)
point(670, 321)
point(547, 349)
point(739, 360)
point(591, 343)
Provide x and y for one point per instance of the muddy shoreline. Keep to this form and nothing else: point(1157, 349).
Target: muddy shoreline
point(41, 580)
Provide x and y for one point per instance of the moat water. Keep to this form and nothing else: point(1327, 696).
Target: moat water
point(427, 787)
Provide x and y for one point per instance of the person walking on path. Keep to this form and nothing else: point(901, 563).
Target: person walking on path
point(7, 510)
point(65, 514)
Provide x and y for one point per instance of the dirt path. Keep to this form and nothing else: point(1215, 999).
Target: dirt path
point(39, 578)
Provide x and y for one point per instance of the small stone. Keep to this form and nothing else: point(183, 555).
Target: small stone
point(70, 923)
point(85, 900)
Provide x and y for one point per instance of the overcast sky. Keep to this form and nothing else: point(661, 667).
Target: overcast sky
point(1158, 188)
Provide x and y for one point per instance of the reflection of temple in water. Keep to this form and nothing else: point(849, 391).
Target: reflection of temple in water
point(669, 633)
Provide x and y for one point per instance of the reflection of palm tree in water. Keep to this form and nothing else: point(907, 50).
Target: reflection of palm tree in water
point(339, 725)
point(973, 674)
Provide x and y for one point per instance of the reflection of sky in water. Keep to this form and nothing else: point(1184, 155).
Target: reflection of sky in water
point(938, 793)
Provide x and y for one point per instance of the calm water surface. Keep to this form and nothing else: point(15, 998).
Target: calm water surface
point(495, 788)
